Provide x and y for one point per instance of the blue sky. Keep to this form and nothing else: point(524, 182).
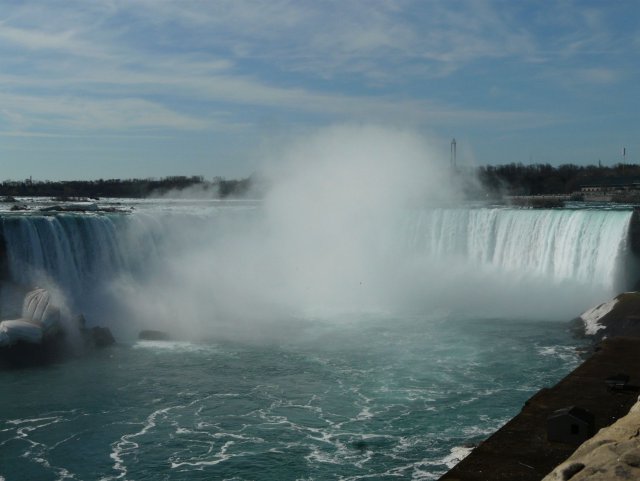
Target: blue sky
point(149, 88)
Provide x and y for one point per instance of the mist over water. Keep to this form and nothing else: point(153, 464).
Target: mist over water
point(338, 238)
point(321, 243)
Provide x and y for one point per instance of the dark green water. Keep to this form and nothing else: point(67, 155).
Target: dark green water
point(370, 398)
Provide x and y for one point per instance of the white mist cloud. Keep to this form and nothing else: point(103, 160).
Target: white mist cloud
point(332, 241)
point(321, 243)
point(336, 201)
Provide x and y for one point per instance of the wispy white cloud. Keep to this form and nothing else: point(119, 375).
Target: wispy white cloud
point(196, 64)
point(37, 40)
point(107, 81)
point(23, 111)
point(57, 113)
point(604, 76)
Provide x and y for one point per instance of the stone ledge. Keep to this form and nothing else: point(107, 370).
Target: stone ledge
point(520, 449)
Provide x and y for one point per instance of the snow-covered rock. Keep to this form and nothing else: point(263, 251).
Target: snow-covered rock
point(39, 319)
point(618, 317)
point(593, 315)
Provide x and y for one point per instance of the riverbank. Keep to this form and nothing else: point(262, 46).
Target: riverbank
point(520, 449)
point(613, 453)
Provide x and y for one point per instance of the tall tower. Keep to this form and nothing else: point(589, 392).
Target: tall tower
point(453, 154)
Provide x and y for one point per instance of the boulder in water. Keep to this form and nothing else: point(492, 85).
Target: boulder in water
point(154, 335)
point(40, 337)
point(99, 336)
point(40, 319)
point(55, 348)
point(26, 354)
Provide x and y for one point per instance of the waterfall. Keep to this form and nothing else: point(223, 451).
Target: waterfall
point(76, 251)
point(586, 246)
point(81, 252)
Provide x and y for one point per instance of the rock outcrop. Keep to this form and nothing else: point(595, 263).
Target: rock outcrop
point(39, 320)
point(612, 454)
point(98, 337)
point(521, 449)
point(606, 385)
point(617, 317)
point(41, 335)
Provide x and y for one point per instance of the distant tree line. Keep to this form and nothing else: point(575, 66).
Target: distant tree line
point(539, 179)
point(134, 188)
point(495, 180)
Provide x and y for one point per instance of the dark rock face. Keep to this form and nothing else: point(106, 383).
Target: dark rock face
point(631, 267)
point(521, 450)
point(634, 232)
point(99, 337)
point(54, 348)
point(26, 354)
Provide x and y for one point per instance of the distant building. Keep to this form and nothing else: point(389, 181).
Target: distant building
point(571, 425)
point(605, 188)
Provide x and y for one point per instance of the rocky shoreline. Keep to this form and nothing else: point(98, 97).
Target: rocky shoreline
point(521, 450)
point(613, 453)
